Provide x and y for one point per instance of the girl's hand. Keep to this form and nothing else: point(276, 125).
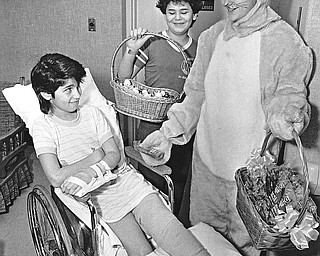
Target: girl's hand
point(71, 188)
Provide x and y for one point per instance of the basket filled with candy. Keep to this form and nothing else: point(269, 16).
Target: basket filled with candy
point(141, 101)
point(273, 202)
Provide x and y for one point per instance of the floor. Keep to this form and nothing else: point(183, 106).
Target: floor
point(15, 238)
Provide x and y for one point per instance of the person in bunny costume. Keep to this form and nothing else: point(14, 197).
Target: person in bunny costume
point(250, 75)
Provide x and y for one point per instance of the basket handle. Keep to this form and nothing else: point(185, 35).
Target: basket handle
point(148, 33)
point(304, 167)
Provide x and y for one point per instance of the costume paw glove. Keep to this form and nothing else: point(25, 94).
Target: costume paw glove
point(156, 141)
point(282, 124)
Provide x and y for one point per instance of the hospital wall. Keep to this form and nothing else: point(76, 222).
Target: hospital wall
point(31, 28)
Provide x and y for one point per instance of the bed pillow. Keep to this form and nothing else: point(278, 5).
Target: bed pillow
point(24, 102)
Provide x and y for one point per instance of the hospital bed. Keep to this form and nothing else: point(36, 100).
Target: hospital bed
point(61, 225)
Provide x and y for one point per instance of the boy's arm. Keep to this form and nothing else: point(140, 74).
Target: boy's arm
point(58, 175)
point(127, 69)
point(96, 156)
point(111, 153)
point(110, 160)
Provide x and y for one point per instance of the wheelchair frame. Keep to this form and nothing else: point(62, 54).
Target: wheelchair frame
point(51, 223)
point(56, 231)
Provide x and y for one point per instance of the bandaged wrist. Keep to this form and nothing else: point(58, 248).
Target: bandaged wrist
point(101, 168)
point(105, 166)
point(97, 169)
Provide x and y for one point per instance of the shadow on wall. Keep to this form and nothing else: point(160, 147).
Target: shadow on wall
point(311, 135)
point(282, 7)
point(2, 245)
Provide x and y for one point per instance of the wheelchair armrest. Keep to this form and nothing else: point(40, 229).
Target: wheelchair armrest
point(133, 154)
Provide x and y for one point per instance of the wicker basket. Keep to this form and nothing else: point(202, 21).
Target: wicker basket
point(8, 119)
point(131, 103)
point(262, 235)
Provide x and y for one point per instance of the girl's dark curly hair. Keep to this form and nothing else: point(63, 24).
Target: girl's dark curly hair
point(50, 73)
point(196, 5)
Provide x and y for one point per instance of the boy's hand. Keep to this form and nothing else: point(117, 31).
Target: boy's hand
point(138, 38)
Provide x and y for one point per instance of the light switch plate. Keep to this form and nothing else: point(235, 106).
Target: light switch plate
point(92, 24)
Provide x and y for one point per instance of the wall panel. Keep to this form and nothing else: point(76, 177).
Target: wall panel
point(31, 28)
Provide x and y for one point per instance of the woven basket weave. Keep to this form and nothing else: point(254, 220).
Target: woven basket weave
point(262, 235)
point(128, 102)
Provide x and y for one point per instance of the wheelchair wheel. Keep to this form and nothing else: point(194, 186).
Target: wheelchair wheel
point(79, 233)
point(47, 229)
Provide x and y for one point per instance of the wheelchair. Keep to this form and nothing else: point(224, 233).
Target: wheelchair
point(57, 231)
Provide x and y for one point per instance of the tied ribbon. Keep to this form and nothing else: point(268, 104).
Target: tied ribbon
point(300, 235)
point(305, 232)
point(286, 221)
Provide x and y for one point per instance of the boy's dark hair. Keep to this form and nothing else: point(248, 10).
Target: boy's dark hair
point(196, 5)
point(50, 73)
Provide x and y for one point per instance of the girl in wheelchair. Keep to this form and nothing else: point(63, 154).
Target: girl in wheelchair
point(79, 153)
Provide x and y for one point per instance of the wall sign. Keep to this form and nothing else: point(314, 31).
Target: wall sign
point(207, 5)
